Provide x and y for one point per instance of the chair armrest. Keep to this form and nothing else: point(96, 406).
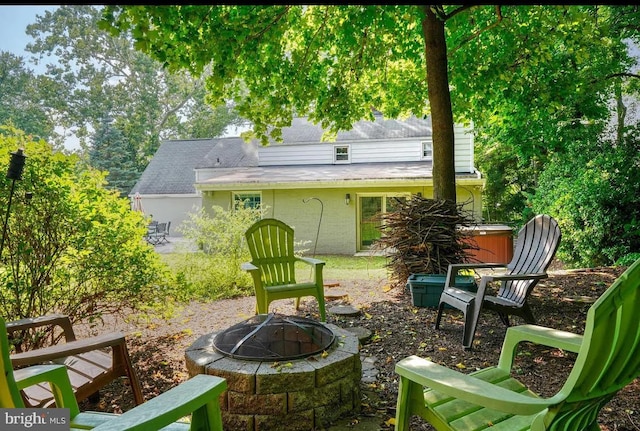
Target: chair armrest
point(506, 277)
point(199, 391)
point(312, 261)
point(248, 266)
point(61, 320)
point(536, 334)
point(55, 375)
point(459, 266)
point(67, 349)
point(468, 388)
point(454, 268)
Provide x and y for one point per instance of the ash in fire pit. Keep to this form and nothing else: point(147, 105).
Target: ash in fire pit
point(314, 380)
point(274, 337)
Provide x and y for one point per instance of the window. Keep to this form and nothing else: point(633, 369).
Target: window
point(249, 199)
point(341, 154)
point(427, 150)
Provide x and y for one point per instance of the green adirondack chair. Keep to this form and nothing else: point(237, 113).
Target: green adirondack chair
point(608, 359)
point(198, 397)
point(272, 266)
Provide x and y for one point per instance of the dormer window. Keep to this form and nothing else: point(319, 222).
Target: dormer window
point(341, 154)
point(427, 150)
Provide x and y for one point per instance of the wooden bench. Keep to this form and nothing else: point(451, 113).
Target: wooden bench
point(91, 363)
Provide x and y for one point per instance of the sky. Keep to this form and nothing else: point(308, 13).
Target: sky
point(13, 24)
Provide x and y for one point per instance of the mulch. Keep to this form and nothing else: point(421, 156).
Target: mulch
point(399, 329)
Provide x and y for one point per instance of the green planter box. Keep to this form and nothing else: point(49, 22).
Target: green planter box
point(427, 288)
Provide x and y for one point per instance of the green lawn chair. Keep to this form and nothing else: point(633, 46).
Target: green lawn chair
point(608, 359)
point(272, 266)
point(198, 396)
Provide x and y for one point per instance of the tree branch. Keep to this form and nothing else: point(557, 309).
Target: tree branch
point(445, 16)
point(622, 75)
point(479, 32)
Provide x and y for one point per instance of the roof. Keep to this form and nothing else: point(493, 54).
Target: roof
point(172, 168)
point(310, 176)
point(302, 131)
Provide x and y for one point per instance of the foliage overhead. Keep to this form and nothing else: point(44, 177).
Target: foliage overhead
point(510, 69)
point(533, 79)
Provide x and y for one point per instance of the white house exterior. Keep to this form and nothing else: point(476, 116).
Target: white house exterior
point(327, 191)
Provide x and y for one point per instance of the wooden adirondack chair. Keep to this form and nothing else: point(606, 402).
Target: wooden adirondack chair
point(90, 367)
point(273, 266)
point(198, 396)
point(608, 359)
point(535, 248)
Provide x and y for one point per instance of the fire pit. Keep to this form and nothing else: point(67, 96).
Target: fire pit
point(283, 372)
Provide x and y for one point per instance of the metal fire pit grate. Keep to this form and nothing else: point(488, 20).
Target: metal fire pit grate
point(274, 337)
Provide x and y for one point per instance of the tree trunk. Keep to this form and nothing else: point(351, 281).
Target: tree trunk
point(444, 178)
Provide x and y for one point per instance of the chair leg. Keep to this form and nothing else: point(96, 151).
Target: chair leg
point(504, 318)
point(439, 316)
point(321, 308)
point(471, 316)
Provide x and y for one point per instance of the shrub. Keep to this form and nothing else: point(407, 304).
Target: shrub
point(74, 247)
point(594, 196)
point(215, 271)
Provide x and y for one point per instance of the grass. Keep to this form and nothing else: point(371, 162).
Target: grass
point(345, 267)
point(202, 277)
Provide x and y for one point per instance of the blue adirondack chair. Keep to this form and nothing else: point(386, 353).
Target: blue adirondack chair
point(198, 397)
point(608, 359)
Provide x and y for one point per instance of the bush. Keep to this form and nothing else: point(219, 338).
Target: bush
point(215, 271)
point(594, 197)
point(74, 247)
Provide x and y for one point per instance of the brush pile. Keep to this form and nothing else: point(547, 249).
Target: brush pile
point(424, 236)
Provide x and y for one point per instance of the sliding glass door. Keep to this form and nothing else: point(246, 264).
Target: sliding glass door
point(369, 207)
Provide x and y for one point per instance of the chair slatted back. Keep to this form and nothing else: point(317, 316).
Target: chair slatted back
point(9, 394)
point(609, 358)
point(271, 246)
point(535, 248)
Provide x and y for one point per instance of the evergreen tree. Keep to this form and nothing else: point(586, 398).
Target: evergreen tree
point(110, 151)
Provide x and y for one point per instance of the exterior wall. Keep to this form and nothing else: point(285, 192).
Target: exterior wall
point(330, 219)
point(173, 208)
point(371, 151)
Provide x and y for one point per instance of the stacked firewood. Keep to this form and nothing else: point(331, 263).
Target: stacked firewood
point(424, 236)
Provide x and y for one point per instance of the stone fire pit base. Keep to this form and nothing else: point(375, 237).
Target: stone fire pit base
point(298, 395)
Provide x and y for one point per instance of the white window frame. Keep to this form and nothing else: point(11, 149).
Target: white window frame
point(340, 158)
point(427, 150)
point(240, 196)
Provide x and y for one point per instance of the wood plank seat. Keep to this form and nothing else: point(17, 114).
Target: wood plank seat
point(91, 363)
point(197, 399)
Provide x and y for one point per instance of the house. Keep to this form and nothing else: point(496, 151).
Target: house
point(327, 191)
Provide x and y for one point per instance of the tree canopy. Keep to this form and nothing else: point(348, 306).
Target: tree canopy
point(504, 67)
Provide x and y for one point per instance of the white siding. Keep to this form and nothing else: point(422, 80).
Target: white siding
point(463, 149)
point(399, 150)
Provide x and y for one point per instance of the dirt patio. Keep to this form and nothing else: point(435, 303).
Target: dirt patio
point(398, 329)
